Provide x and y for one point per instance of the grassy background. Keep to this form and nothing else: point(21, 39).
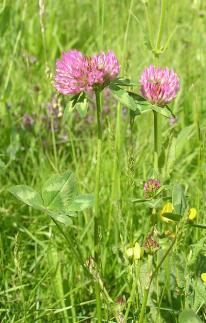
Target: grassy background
point(39, 277)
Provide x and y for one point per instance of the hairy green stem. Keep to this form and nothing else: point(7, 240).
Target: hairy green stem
point(75, 250)
point(161, 24)
point(97, 183)
point(97, 207)
point(98, 302)
point(57, 281)
point(54, 143)
point(77, 254)
point(116, 188)
point(134, 289)
point(100, 22)
point(156, 142)
point(116, 180)
point(151, 38)
point(151, 277)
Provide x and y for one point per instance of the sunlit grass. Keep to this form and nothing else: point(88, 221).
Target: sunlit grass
point(40, 278)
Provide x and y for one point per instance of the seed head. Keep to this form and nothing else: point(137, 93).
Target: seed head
point(151, 245)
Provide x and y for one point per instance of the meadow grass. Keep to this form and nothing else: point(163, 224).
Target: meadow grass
point(40, 279)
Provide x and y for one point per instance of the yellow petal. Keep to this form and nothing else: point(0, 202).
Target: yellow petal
point(170, 234)
point(129, 252)
point(203, 277)
point(167, 208)
point(137, 251)
point(134, 252)
point(192, 213)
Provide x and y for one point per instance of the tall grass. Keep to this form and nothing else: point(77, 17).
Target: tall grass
point(42, 280)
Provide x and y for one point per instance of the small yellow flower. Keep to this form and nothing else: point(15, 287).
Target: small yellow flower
point(192, 214)
point(134, 252)
point(167, 208)
point(170, 234)
point(203, 277)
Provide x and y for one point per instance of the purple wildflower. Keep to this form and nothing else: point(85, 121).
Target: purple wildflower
point(72, 73)
point(28, 121)
point(159, 86)
point(77, 73)
point(104, 69)
point(151, 187)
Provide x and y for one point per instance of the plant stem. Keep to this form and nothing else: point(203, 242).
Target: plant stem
point(156, 142)
point(74, 156)
point(134, 289)
point(54, 142)
point(57, 282)
point(161, 24)
point(116, 180)
point(97, 183)
point(151, 277)
point(98, 302)
point(100, 22)
point(116, 192)
point(149, 25)
point(97, 208)
point(76, 251)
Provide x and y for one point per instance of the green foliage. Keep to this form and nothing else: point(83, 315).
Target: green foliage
point(59, 191)
point(183, 137)
point(39, 283)
point(188, 316)
point(162, 110)
point(58, 197)
point(2, 165)
point(77, 102)
point(28, 196)
point(125, 98)
point(172, 216)
point(179, 199)
point(199, 298)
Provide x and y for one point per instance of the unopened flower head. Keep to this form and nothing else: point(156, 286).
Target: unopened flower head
point(151, 187)
point(151, 245)
point(104, 68)
point(77, 73)
point(28, 120)
point(159, 86)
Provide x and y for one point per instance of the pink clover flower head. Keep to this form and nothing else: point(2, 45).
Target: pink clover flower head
point(151, 186)
point(159, 86)
point(72, 73)
point(77, 73)
point(104, 68)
